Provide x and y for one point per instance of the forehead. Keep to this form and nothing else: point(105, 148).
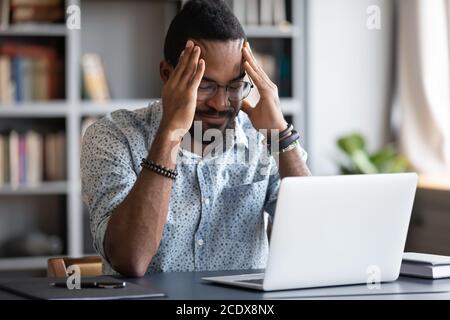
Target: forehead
point(223, 59)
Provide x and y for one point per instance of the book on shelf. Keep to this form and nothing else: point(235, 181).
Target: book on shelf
point(251, 12)
point(4, 14)
point(36, 14)
point(34, 156)
point(55, 156)
point(94, 78)
point(6, 85)
point(30, 73)
point(30, 158)
point(14, 176)
point(36, 11)
point(3, 161)
point(239, 10)
point(43, 3)
point(266, 12)
point(260, 12)
point(279, 12)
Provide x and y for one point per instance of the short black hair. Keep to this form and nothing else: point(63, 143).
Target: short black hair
point(201, 19)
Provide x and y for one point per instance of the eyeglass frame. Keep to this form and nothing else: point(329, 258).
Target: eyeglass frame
point(218, 86)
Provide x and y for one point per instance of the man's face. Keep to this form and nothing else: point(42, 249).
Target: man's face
point(223, 66)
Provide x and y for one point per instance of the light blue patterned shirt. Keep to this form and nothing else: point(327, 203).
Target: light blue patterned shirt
point(216, 210)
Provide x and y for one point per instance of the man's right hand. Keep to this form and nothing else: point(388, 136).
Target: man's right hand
point(179, 93)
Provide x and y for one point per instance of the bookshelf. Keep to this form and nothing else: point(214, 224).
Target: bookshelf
point(130, 46)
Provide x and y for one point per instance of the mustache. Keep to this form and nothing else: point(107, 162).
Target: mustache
point(211, 112)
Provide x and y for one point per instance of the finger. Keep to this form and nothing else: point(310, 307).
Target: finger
point(247, 107)
point(184, 57)
point(198, 74)
point(248, 56)
point(256, 77)
point(191, 65)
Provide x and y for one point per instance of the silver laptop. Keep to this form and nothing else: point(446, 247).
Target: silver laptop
point(338, 230)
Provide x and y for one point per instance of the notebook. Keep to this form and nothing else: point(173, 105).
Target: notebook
point(425, 265)
point(42, 289)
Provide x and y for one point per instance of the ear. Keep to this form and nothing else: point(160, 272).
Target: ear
point(165, 70)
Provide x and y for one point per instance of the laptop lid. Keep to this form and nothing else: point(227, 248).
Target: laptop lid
point(339, 230)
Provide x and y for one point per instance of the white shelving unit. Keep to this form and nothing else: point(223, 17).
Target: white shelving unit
point(289, 31)
point(45, 188)
point(120, 43)
point(50, 30)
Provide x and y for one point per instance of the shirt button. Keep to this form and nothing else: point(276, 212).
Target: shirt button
point(206, 201)
point(200, 242)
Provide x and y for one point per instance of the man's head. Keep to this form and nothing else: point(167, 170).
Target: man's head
point(211, 25)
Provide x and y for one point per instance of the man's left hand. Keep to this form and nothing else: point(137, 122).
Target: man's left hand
point(267, 112)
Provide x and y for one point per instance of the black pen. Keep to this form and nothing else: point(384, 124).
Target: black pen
point(93, 284)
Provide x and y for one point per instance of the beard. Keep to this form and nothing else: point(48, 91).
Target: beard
point(229, 114)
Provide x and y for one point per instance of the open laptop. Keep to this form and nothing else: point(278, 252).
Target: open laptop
point(337, 230)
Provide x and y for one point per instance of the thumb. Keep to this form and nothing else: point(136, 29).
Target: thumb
point(247, 107)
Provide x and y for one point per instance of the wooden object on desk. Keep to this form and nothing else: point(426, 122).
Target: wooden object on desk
point(434, 182)
point(90, 266)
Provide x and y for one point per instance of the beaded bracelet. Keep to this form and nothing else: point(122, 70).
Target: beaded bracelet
point(153, 166)
point(287, 144)
point(290, 147)
point(283, 134)
point(283, 144)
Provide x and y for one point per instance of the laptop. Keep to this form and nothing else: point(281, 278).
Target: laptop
point(335, 230)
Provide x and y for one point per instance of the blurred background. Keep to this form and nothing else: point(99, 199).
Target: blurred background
point(367, 83)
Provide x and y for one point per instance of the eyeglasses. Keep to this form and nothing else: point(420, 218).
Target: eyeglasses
point(236, 91)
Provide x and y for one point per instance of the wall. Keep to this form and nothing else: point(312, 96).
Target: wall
point(129, 37)
point(349, 77)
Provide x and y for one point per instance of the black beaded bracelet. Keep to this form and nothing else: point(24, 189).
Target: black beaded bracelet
point(153, 166)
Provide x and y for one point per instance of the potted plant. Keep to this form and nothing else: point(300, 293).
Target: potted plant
point(360, 161)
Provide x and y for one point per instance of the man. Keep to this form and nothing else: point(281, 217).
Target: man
point(161, 201)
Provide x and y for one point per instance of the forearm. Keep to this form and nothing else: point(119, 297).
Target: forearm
point(291, 164)
point(136, 226)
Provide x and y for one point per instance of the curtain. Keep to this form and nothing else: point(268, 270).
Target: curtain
point(423, 59)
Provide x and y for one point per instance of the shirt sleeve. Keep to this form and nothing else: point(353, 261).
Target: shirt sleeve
point(107, 176)
point(274, 185)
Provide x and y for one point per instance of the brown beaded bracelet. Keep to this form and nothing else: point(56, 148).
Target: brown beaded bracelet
point(153, 166)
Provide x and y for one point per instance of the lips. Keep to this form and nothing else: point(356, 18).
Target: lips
point(211, 118)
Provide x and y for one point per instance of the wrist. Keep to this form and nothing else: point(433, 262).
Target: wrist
point(170, 135)
point(281, 125)
point(275, 129)
point(164, 148)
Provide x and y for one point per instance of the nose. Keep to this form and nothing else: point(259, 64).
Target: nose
point(219, 101)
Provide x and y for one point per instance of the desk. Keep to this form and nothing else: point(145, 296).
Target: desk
point(189, 286)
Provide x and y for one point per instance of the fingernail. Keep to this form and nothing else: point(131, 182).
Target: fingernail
point(189, 44)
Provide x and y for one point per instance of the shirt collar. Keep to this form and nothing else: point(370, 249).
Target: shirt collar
point(241, 136)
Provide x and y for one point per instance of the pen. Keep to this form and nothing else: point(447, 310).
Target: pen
point(92, 284)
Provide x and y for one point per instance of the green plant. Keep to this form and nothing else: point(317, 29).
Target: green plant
point(359, 160)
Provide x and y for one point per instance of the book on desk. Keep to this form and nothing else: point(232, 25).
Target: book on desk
point(423, 265)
